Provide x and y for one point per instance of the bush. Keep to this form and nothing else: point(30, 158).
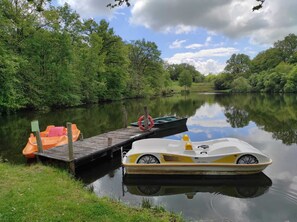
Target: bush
point(241, 85)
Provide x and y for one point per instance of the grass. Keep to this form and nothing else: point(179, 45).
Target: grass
point(42, 193)
point(196, 87)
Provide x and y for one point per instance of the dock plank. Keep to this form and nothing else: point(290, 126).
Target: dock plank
point(93, 147)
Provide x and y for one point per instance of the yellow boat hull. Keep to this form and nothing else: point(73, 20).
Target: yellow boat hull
point(195, 169)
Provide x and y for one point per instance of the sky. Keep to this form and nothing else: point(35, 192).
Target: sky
point(203, 33)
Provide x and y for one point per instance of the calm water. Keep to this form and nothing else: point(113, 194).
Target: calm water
point(267, 122)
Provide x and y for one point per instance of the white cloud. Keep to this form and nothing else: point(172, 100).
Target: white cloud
point(215, 52)
point(181, 29)
point(209, 111)
point(194, 46)
point(210, 66)
point(207, 43)
point(209, 123)
point(208, 40)
point(177, 44)
point(90, 8)
point(203, 60)
point(233, 18)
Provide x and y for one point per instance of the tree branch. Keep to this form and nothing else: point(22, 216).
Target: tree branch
point(118, 3)
point(257, 7)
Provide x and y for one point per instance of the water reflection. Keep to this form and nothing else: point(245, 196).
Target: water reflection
point(276, 114)
point(266, 122)
point(235, 186)
point(96, 170)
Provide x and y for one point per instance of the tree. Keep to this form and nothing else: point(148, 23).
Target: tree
point(238, 64)
point(287, 46)
point(266, 60)
point(185, 79)
point(176, 69)
point(291, 84)
point(237, 118)
point(116, 61)
point(210, 78)
point(223, 81)
point(240, 84)
point(146, 66)
point(11, 95)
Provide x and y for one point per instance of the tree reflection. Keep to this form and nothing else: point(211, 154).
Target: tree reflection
point(273, 113)
point(91, 120)
point(237, 118)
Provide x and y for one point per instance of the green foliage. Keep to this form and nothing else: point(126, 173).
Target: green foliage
point(275, 114)
point(148, 76)
point(146, 203)
point(210, 78)
point(293, 58)
point(51, 58)
point(266, 60)
point(238, 64)
point(272, 81)
point(185, 79)
point(236, 117)
point(287, 47)
point(116, 61)
point(271, 71)
point(240, 84)
point(291, 84)
point(176, 69)
point(11, 95)
point(223, 81)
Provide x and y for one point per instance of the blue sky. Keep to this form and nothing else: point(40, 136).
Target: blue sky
point(203, 33)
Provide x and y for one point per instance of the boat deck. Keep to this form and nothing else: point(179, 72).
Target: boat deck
point(92, 148)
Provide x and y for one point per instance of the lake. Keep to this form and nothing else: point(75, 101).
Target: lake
point(268, 122)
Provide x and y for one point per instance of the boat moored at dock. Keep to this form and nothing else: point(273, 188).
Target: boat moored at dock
point(52, 136)
point(164, 122)
point(225, 156)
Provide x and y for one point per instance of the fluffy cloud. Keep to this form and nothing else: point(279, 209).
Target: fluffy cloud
point(216, 52)
point(90, 8)
point(194, 46)
point(202, 60)
point(233, 18)
point(177, 44)
point(205, 67)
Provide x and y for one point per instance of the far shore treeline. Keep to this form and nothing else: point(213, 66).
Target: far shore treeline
point(271, 71)
point(51, 57)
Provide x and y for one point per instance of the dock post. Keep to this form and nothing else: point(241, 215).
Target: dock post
point(70, 148)
point(145, 118)
point(39, 142)
point(35, 128)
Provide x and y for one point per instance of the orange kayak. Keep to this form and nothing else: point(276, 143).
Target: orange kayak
point(51, 137)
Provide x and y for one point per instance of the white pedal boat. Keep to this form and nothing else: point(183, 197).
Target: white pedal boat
point(226, 156)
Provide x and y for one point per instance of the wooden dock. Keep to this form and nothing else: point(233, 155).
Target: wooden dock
point(87, 150)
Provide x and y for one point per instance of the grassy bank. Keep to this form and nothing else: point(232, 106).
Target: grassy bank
point(40, 193)
point(196, 87)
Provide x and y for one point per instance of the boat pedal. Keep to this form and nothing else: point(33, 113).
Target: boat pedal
point(203, 146)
